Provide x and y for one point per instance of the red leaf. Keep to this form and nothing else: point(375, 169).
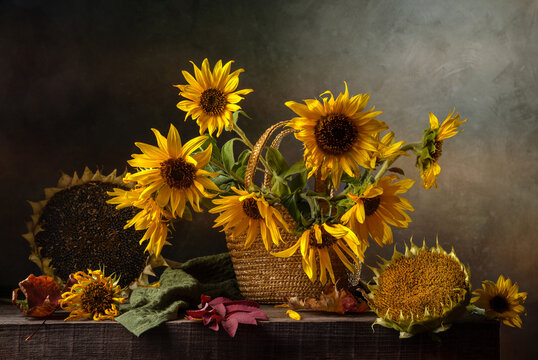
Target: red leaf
point(230, 325)
point(242, 318)
point(220, 309)
point(42, 296)
point(227, 312)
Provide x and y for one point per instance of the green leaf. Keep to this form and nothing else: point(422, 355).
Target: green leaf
point(296, 168)
point(397, 170)
point(298, 183)
point(290, 202)
point(280, 187)
point(236, 114)
point(276, 161)
point(227, 154)
point(243, 157)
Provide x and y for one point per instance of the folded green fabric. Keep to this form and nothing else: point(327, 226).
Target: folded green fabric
point(180, 290)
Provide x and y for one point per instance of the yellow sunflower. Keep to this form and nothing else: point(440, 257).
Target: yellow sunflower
point(173, 172)
point(250, 214)
point(432, 145)
point(211, 96)
point(338, 134)
point(315, 244)
point(95, 296)
point(378, 207)
point(151, 217)
point(501, 300)
point(386, 149)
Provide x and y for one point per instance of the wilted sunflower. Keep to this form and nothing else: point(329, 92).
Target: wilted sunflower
point(250, 214)
point(173, 172)
point(151, 217)
point(432, 145)
point(338, 134)
point(74, 228)
point(378, 208)
point(212, 98)
point(315, 244)
point(501, 300)
point(421, 290)
point(95, 296)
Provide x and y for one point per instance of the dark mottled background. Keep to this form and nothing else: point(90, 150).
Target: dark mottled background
point(81, 81)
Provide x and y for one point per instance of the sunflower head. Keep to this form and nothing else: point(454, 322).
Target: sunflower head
point(420, 290)
point(338, 134)
point(74, 228)
point(432, 147)
point(95, 296)
point(172, 172)
point(211, 96)
point(501, 300)
point(378, 208)
point(324, 243)
point(249, 215)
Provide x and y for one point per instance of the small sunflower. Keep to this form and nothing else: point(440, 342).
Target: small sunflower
point(387, 149)
point(151, 217)
point(211, 96)
point(95, 296)
point(378, 208)
point(74, 228)
point(250, 214)
point(421, 290)
point(315, 244)
point(338, 134)
point(501, 300)
point(432, 145)
point(173, 172)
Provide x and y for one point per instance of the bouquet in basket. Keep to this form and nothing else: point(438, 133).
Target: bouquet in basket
point(356, 196)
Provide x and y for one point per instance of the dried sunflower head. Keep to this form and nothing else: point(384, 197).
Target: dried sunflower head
point(420, 290)
point(75, 229)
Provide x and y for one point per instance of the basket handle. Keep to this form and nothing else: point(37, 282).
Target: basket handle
point(257, 150)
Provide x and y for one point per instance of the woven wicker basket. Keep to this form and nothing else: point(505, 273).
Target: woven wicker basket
point(263, 277)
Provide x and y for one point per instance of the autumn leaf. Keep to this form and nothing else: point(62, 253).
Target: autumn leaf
point(330, 300)
point(226, 313)
point(42, 296)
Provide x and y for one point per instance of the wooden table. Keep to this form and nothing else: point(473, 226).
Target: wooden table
point(316, 336)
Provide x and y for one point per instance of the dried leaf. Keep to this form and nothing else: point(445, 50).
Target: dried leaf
point(42, 296)
point(331, 300)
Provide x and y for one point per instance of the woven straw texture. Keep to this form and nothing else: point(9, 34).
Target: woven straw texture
point(268, 279)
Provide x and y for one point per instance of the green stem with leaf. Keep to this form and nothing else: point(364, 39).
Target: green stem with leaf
point(388, 162)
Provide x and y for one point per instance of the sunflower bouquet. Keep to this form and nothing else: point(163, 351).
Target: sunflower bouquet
point(346, 150)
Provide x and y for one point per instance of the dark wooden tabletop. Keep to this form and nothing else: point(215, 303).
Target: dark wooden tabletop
point(317, 336)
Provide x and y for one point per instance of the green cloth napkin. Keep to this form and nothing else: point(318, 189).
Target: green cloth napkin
point(180, 290)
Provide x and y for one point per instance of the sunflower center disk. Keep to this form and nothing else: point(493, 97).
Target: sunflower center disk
point(412, 284)
point(327, 239)
point(250, 207)
point(499, 304)
point(96, 298)
point(213, 101)
point(371, 205)
point(335, 134)
point(438, 150)
point(178, 173)
point(81, 231)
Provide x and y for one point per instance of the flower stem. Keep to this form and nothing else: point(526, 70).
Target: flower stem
point(219, 165)
point(247, 142)
point(388, 162)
